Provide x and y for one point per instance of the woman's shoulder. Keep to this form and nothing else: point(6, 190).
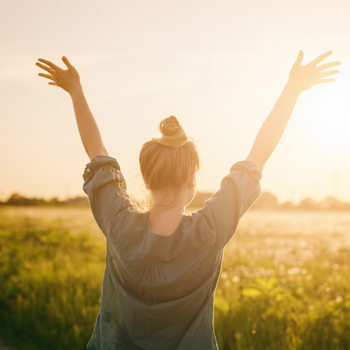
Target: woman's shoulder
point(131, 234)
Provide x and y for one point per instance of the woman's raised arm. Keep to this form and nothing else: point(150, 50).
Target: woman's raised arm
point(300, 79)
point(69, 80)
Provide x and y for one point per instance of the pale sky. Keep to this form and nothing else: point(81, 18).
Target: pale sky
point(218, 66)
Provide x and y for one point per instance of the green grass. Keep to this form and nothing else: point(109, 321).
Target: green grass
point(284, 285)
point(50, 285)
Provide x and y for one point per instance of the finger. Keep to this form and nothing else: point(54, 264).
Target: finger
point(48, 76)
point(320, 58)
point(328, 73)
point(50, 64)
point(322, 81)
point(48, 69)
point(66, 62)
point(300, 57)
point(329, 65)
point(53, 83)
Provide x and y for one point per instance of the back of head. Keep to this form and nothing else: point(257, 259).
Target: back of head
point(167, 162)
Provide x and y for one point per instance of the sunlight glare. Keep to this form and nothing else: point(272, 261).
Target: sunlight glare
point(330, 121)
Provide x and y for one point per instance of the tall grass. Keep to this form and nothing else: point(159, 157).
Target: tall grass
point(278, 290)
point(50, 285)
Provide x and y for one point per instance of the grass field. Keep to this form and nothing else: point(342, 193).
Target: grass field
point(285, 281)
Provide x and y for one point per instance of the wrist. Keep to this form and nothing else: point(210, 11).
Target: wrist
point(293, 89)
point(76, 90)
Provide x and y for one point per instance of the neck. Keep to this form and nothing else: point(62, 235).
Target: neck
point(167, 203)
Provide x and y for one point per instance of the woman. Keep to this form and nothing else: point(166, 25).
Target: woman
point(163, 266)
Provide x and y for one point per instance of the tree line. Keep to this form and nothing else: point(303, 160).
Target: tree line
point(266, 201)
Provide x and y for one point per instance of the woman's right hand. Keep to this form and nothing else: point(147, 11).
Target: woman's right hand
point(67, 79)
point(302, 78)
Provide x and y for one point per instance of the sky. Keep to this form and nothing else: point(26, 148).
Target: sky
point(218, 66)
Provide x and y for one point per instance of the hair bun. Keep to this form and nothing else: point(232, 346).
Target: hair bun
point(172, 132)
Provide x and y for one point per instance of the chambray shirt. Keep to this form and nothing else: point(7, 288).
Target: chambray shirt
point(158, 291)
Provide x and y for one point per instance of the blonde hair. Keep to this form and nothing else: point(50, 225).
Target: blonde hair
point(167, 162)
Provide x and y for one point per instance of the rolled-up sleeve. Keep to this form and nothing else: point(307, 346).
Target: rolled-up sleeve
point(106, 189)
point(238, 191)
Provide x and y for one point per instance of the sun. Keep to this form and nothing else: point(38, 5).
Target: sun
point(329, 119)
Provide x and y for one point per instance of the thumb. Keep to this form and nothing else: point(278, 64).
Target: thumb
point(66, 62)
point(300, 57)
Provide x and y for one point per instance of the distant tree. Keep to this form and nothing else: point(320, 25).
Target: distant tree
point(332, 203)
point(77, 202)
point(38, 201)
point(266, 201)
point(16, 199)
point(54, 201)
point(308, 204)
point(287, 205)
